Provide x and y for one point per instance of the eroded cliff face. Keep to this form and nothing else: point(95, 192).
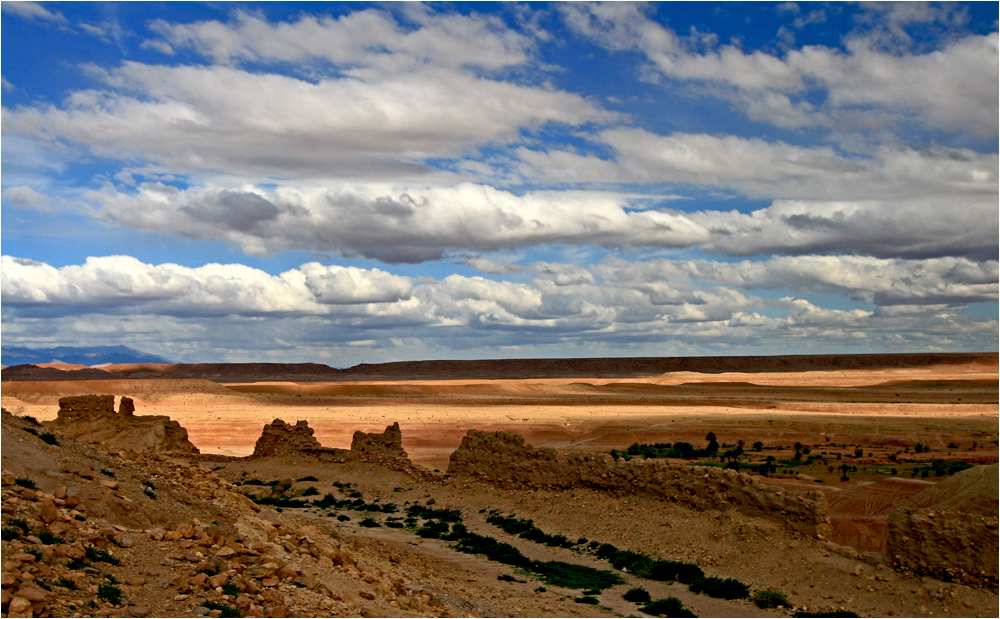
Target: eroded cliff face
point(950, 531)
point(504, 458)
point(93, 419)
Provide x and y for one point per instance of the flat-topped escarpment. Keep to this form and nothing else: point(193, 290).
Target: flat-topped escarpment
point(610, 367)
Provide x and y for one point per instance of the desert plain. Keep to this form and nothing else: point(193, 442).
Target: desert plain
point(875, 437)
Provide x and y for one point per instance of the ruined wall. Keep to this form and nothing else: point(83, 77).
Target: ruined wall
point(504, 458)
point(379, 447)
point(382, 448)
point(951, 530)
point(86, 406)
point(280, 438)
point(92, 419)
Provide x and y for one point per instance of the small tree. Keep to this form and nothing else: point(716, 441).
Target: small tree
point(758, 446)
point(713, 444)
point(844, 468)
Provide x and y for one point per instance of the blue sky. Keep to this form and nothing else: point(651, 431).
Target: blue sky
point(347, 182)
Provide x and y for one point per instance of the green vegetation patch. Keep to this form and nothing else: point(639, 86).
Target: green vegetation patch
point(667, 607)
point(770, 598)
point(725, 588)
point(637, 595)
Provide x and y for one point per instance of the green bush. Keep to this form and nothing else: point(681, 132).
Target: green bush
point(22, 524)
point(667, 607)
point(728, 588)
point(637, 595)
point(48, 538)
point(226, 609)
point(606, 551)
point(770, 598)
point(66, 583)
point(104, 556)
point(25, 482)
point(632, 562)
point(679, 571)
point(369, 523)
point(307, 478)
point(433, 529)
point(49, 438)
point(587, 599)
point(10, 533)
point(109, 593)
point(832, 613)
point(573, 576)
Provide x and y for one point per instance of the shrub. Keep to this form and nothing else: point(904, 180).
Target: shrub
point(48, 538)
point(109, 593)
point(66, 583)
point(307, 478)
point(25, 482)
point(587, 599)
point(310, 491)
point(606, 551)
point(49, 438)
point(433, 529)
point(572, 576)
point(231, 588)
point(77, 564)
point(31, 419)
point(343, 518)
point(770, 598)
point(509, 578)
point(10, 533)
point(225, 609)
point(104, 556)
point(540, 589)
point(149, 492)
point(369, 523)
point(667, 607)
point(427, 513)
point(634, 562)
point(728, 589)
point(107, 473)
point(637, 595)
point(679, 571)
point(832, 613)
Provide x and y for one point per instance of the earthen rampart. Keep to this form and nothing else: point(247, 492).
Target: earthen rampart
point(384, 448)
point(92, 418)
point(950, 531)
point(504, 458)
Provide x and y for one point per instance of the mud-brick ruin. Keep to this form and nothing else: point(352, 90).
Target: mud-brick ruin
point(948, 532)
point(504, 458)
point(282, 439)
point(93, 419)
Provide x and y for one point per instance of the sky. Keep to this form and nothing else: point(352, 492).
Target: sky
point(364, 182)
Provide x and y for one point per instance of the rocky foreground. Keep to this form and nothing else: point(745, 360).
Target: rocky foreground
point(151, 528)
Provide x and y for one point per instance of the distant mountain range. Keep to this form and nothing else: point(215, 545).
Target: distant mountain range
point(93, 355)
